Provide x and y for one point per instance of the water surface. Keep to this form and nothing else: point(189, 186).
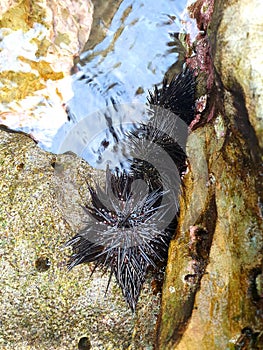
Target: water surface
point(139, 47)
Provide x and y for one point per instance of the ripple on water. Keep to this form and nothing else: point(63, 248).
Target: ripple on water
point(137, 49)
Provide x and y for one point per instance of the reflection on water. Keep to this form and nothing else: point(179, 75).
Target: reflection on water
point(136, 53)
point(132, 45)
point(140, 46)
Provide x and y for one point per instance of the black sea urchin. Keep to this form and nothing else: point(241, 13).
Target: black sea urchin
point(131, 221)
point(178, 96)
point(124, 232)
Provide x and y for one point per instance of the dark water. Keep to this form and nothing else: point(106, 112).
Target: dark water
point(114, 75)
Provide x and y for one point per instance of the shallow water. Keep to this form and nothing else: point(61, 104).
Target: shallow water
point(140, 47)
point(125, 57)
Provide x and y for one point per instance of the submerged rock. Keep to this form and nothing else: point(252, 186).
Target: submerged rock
point(39, 40)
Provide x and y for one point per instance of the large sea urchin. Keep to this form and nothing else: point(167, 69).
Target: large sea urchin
point(131, 221)
point(123, 233)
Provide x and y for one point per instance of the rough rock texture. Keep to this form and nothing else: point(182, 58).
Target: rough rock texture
point(239, 55)
point(66, 27)
point(212, 296)
point(42, 305)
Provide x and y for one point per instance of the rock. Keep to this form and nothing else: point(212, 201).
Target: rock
point(238, 56)
point(211, 296)
point(38, 43)
point(43, 306)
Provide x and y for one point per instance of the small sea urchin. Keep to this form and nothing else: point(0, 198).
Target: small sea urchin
point(131, 221)
point(178, 96)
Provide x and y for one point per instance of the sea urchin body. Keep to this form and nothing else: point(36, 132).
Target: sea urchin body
point(131, 221)
point(123, 233)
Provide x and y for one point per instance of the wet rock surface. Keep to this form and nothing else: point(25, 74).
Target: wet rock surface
point(39, 40)
point(212, 307)
point(43, 306)
point(238, 57)
point(212, 296)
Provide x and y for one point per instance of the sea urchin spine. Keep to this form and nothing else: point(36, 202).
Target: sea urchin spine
point(129, 227)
